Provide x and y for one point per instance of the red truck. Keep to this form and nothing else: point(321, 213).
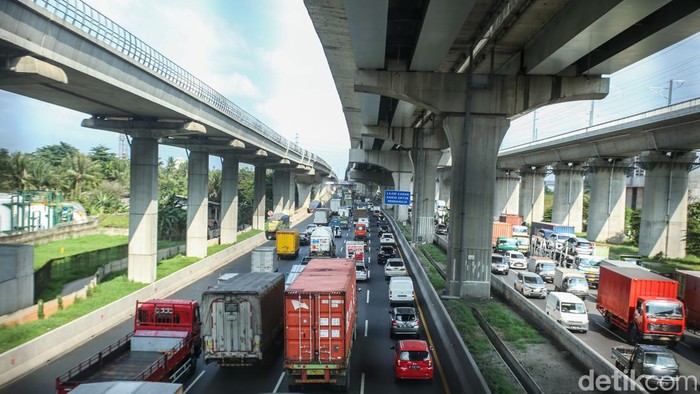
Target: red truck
point(320, 309)
point(689, 292)
point(163, 347)
point(642, 304)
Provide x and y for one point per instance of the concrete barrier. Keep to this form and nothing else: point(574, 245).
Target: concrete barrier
point(25, 358)
point(460, 370)
point(568, 341)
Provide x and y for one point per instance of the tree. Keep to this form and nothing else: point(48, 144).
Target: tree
point(215, 185)
point(5, 177)
point(172, 179)
point(80, 171)
point(172, 219)
point(245, 196)
point(18, 171)
point(55, 154)
point(110, 166)
point(633, 222)
point(692, 239)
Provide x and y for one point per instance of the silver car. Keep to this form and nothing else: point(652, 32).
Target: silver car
point(499, 265)
point(530, 284)
point(404, 321)
point(394, 267)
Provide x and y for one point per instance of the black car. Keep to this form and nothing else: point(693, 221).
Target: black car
point(385, 252)
point(304, 238)
point(384, 229)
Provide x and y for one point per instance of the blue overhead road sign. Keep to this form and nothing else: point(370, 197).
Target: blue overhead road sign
point(397, 197)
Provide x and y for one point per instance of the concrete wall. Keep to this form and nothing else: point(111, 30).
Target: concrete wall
point(57, 233)
point(16, 277)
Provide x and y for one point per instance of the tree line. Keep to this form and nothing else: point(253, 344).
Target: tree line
point(99, 180)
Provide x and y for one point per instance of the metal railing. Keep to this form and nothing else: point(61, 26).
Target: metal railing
point(106, 31)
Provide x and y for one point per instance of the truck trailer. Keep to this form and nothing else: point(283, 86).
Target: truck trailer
point(641, 303)
point(322, 242)
point(320, 309)
point(163, 347)
point(264, 259)
point(288, 243)
point(242, 319)
point(689, 292)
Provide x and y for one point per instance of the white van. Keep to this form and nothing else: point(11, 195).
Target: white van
point(568, 310)
point(401, 290)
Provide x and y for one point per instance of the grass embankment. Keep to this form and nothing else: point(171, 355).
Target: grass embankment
point(405, 231)
point(114, 220)
point(109, 290)
point(44, 253)
point(661, 265)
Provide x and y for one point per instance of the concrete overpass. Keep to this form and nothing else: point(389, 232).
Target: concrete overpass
point(453, 73)
point(68, 54)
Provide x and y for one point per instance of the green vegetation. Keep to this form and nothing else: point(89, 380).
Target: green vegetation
point(73, 246)
point(436, 253)
point(114, 220)
point(435, 279)
point(405, 231)
point(509, 325)
point(105, 293)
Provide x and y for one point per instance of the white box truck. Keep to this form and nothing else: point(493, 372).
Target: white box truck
point(264, 259)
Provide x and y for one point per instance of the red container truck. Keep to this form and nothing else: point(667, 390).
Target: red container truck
point(320, 309)
point(641, 303)
point(163, 347)
point(501, 229)
point(512, 218)
point(689, 292)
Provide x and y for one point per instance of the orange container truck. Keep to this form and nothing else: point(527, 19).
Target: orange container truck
point(320, 308)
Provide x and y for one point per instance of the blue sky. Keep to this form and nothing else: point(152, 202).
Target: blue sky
point(264, 56)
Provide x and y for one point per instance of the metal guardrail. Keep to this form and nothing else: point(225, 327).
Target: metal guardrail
point(106, 31)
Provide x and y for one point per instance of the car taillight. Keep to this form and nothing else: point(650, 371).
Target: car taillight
point(393, 323)
point(417, 323)
point(430, 363)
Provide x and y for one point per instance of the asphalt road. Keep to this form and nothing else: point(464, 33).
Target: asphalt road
point(371, 360)
point(602, 339)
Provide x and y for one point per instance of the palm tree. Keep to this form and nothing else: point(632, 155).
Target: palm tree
point(18, 172)
point(80, 171)
point(41, 176)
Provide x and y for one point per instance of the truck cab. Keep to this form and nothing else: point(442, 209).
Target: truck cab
point(663, 318)
point(654, 366)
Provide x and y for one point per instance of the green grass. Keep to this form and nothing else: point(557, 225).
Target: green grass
point(44, 253)
point(114, 220)
point(405, 231)
point(110, 290)
point(432, 272)
point(105, 293)
point(509, 325)
point(436, 253)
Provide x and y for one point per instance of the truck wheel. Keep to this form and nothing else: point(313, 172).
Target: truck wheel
point(633, 334)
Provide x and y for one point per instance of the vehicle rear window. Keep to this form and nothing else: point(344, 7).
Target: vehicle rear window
point(396, 263)
point(414, 356)
point(405, 317)
point(584, 244)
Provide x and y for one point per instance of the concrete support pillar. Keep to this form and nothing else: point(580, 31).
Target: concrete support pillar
point(402, 181)
point(445, 183)
point(143, 210)
point(474, 141)
point(568, 195)
point(291, 202)
point(507, 193)
point(304, 190)
point(606, 209)
point(259, 198)
point(665, 206)
point(280, 190)
point(229, 200)
point(425, 162)
point(531, 204)
point(197, 204)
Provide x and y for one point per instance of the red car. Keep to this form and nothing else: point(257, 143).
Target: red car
point(412, 360)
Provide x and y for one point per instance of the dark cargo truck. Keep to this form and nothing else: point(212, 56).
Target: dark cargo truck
point(163, 347)
point(242, 319)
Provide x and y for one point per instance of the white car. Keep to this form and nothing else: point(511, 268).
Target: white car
point(387, 239)
point(361, 271)
point(516, 260)
point(394, 267)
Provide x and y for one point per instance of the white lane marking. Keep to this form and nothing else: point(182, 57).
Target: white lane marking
point(342, 248)
point(279, 382)
point(610, 331)
point(194, 382)
point(366, 326)
point(368, 296)
point(362, 384)
point(369, 259)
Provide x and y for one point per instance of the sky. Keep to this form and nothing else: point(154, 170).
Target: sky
point(271, 64)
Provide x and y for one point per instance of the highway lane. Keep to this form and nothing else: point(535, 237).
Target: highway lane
point(371, 362)
point(602, 339)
